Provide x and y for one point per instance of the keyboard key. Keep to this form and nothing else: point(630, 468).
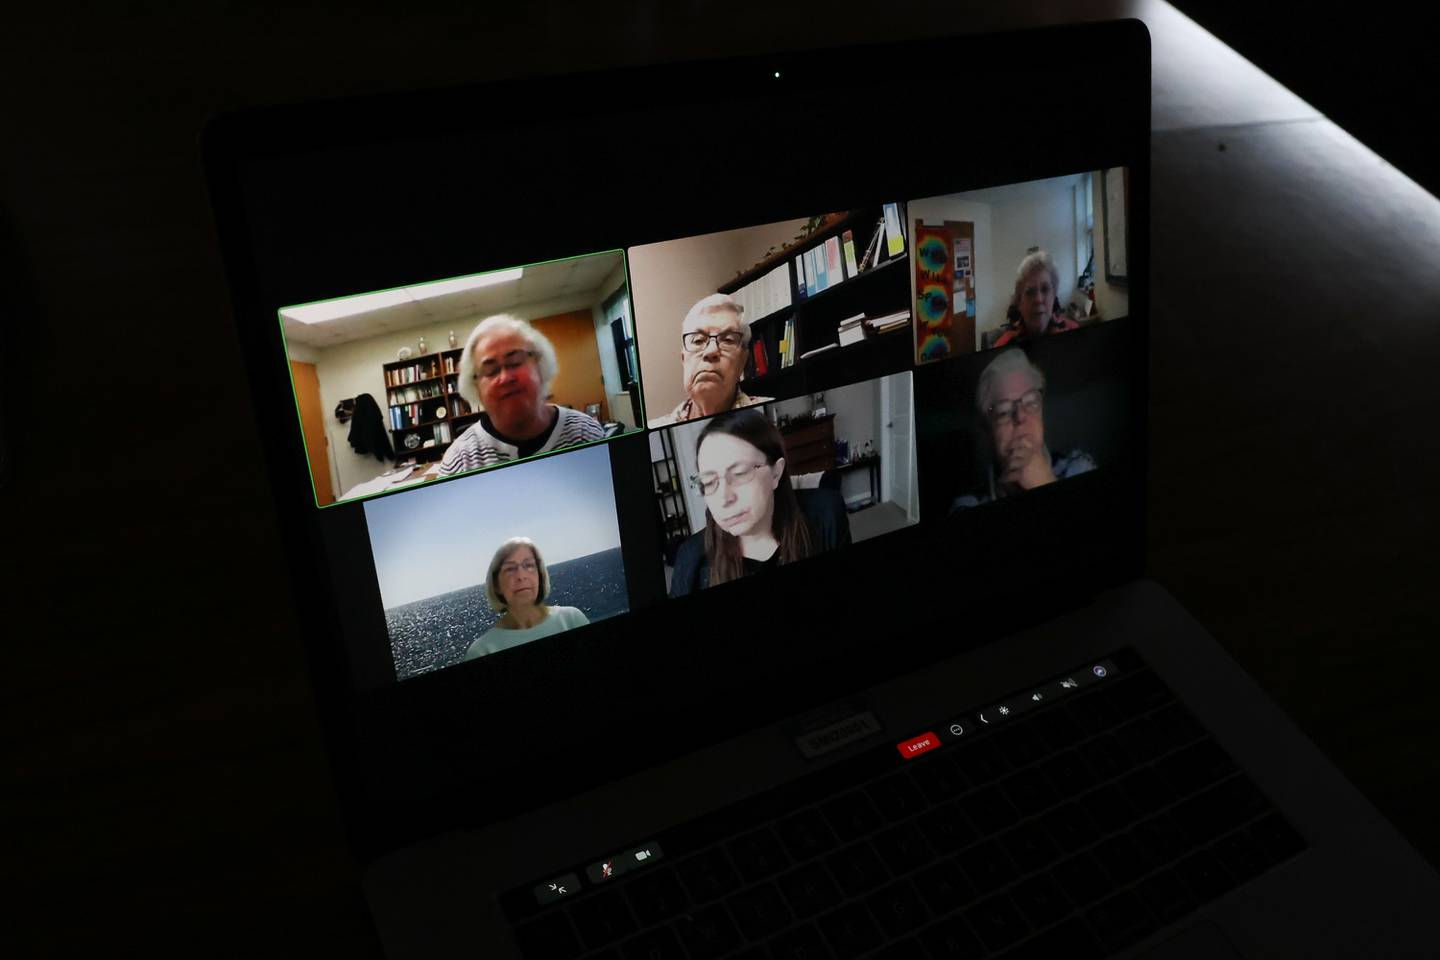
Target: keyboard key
point(987, 866)
point(655, 896)
point(1241, 856)
point(759, 911)
point(1021, 745)
point(1057, 729)
point(1167, 897)
point(707, 875)
point(1070, 827)
point(944, 887)
point(1120, 921)
point(852, 816)
point(897, 909)
point(947, 828)
point(1146, 790)
point(997, 922)
point(757, 855)
point(1109, 809)
point(805, 835)
point(1072, 940)
point(602, 918)
point(1105, 756)
point(1068, 773)
point(1176, 725)
point(951, 939)
point(1161, 839)
point(857, 869)
point(902, 848)
point(802, 943)
point(939, 778)
point(1123, 859)
point(1029, 792)
point(1277, 838)
point(1041, 901)
point(1082, 879)
point(982, 762)
point(708, 933)
point(1198, 765)
point(1242, 800)
point(659, 944)
point(809, 890)
point(1204, 875)
point(989, 810)
point(907, 949)
point(850, 931)
point(1093, 713)
point(1030, 847)
point(548, 938)
point(897, 797)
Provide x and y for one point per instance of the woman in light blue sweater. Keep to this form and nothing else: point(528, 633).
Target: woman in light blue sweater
point(516, 586)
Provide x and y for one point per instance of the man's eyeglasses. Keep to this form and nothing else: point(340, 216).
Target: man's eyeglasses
point(697, 341)
point(510, 569)
point(1028, 403)
point(738, 474)
point(513, 360)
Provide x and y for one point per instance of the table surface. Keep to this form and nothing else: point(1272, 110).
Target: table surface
point(166, 762)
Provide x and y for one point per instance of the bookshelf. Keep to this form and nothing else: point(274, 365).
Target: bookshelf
point(813, 317)
point(669, 495)
point(416, 391)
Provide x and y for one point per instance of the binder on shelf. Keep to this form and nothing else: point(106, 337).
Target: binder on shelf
point(762, 365)
point(800, 276)
point(809, 258)
point(847, 240)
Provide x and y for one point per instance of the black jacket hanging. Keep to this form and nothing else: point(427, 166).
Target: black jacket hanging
point(367, 429)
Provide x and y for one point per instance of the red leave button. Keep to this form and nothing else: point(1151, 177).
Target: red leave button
point(917, 746)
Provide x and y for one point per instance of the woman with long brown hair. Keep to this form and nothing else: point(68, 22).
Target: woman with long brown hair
point(754, 518)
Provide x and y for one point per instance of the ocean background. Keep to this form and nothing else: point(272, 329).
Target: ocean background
point(432, 633)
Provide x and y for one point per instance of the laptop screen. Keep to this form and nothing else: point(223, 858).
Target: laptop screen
point(571, 451)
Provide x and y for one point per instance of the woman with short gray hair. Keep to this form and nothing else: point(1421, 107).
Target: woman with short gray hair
point(1035, 304)
point(506, 370)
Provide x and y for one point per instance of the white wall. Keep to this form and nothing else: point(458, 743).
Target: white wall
point(665, 281)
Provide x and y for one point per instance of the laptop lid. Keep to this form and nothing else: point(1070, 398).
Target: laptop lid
point(809, 369)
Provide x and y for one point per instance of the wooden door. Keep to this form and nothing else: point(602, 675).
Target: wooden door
point(312, 422)
point(580, 381)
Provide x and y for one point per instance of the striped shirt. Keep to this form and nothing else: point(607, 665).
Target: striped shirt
point(478, 447)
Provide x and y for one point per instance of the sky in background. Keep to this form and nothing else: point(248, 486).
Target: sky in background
point(440, 538)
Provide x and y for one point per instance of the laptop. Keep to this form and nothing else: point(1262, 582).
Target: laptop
point(714, 495)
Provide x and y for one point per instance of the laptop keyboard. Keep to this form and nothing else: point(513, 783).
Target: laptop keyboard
point(1075, 829)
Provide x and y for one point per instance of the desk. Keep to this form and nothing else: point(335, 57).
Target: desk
point(401, 477)
point(872, 463)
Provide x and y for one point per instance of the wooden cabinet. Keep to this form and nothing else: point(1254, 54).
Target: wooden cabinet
point(809, 444)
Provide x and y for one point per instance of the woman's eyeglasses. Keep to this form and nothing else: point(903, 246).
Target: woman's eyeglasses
point(1028, 404)
point(510, 569)
point(513, 360)
point(738, 474)
point(697, 341)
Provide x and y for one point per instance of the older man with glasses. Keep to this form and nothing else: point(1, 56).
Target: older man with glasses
point(1010, 399)
point(714, 342)
point(506, 370)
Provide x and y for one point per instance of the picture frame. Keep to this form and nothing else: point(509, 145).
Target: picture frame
point(1114, 202)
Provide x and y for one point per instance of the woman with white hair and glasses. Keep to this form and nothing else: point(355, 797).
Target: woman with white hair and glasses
point(1035, 305)
point(506, 370)
point(1010, 399)
point(516, 585)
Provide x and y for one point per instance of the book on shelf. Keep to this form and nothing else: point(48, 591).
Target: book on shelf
point(833, 270)
point(873, 248)
point(762, 363)
point(894, 231)
point(891, 321)
point(800, 276)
